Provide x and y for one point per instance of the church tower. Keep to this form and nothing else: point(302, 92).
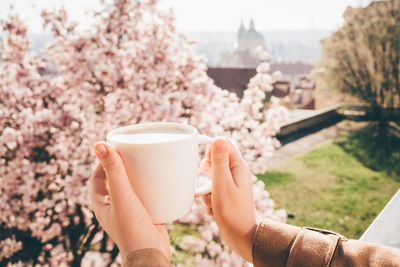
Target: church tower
point(242, 30)
point(251, 25)
point(248, 40)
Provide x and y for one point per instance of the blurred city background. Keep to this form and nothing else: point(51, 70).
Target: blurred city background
point(228, 33)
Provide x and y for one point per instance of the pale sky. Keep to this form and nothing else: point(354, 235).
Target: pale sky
point(212, 15)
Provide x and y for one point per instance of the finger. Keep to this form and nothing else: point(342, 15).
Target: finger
point(208, 153)
point(120, 189)
point(205, 166)
point(208, 210)
point(221, 175)
point(239, 169)
point(98, 185)
point(99, 192)
point(207, 200)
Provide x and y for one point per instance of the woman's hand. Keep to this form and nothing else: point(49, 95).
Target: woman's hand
point(119, 210)
point(231, 201)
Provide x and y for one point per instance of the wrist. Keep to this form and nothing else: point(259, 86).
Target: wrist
point(241, 240)
point(248, 243)
point(125, 252)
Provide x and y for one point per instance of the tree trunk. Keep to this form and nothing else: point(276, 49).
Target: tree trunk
point(380, 114)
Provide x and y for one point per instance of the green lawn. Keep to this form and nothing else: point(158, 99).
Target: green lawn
point(341, 185)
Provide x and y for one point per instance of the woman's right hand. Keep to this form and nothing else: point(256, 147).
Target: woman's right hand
point(231, 200)
point(119, 210)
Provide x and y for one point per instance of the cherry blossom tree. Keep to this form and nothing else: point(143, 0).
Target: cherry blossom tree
point(130, 66)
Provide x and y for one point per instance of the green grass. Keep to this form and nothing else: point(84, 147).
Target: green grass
point(278, 178)
point(341, 186)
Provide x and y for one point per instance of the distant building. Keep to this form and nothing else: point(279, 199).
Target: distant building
point(247, 43)
point(300, 95)
point(249, 40)
point(232, 79)
point(281, 88)
point(236, 80)
point(292, 71)
point(304, 93)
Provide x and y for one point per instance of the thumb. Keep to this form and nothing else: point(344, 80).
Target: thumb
point(221, 173)
point(239, 169)
point(111, 161)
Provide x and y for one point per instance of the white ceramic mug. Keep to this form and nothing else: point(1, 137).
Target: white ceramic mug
point(163, 174)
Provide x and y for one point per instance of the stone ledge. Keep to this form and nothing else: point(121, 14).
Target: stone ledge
point(297, 128)
point(385, 229)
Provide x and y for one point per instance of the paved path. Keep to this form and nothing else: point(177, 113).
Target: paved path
point(302, 145)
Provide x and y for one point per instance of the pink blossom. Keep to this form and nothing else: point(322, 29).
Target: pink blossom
point(264, 67)
point(214, 249)
point(9, 246)
point(57, 105)
point(192, 243)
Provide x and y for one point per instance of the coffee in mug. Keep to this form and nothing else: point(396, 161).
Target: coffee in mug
point(148, 137)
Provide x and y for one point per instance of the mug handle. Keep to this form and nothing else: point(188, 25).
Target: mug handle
point(206, 188)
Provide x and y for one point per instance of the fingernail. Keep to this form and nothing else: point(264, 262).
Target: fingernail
point(220, 145)
point(100, 150)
